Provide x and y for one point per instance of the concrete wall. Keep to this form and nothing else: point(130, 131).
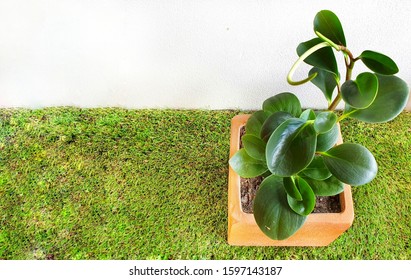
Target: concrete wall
point(211, 54)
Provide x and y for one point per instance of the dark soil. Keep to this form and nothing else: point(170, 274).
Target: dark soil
point(249, 187)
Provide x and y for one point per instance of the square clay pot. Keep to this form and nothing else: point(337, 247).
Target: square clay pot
point(320, 229)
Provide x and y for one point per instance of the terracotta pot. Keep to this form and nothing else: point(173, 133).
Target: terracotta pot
point(320, 229)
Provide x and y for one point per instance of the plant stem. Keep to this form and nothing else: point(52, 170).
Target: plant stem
point(349, 64)
point(332, 44)
point(300, 60)
point(346, 115)
point(335, 102)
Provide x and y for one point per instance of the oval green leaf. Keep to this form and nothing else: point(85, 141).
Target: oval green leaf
point(317, 169)
point(291, 147)
point(328, 24)
point(255, 122)
point(325, 121)
point(283, 102)
point(324, 58)
point(254, 146)
point(379, 63)
point(328, 187)
point(391, 99)
point(272, 122)
point(325, 81)
point(291, 188)
point(327, 140)
point(361, 92)
point(272, 213)
point(307, 115)
point(246, 166)
point(351, 163)
point(307, 204)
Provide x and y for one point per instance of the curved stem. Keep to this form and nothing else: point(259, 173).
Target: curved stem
point(349, 65)
point(332, 44)
point(300, 60)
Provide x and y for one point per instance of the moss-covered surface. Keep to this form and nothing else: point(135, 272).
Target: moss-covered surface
point(152, 184)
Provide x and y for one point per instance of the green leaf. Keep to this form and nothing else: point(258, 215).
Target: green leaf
point(307, 204)
point(328, 187)
point(255, 122)
point(351, 163)
point(325, 121)
point(317, 169)
point(327, 140)
point(291, 147)
point(392, 97)
point(323, 58)
point(272, 213)
point(361, 92)
point(307, 115)
point(285, 102)
point(254, 146)
point(328, 24)
point(325, 81)
point(379, 63)
point(291, 188)
point(272, 122)
point(246, 166)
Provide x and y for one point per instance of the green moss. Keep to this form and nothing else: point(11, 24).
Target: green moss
point(152, 184)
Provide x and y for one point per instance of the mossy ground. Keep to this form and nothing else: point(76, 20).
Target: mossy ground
point(152, 184)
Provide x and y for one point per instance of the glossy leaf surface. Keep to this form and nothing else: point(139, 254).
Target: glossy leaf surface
point(328, 187)
point(246, 166)
point(391, 99)
point(325, 81)
point(325, 121)
point(361, 92)
point(306, 205)
point(307, 115)
point(379, 63)
point(327, 140)
point(255, 122)
point(351, 163)
point(285, 102)
point(291, 147)
point(323, 58)
point(272, 213)
point(272, 122)
point(291, 188)
point(317, 169)
point(328, 24)
point(254, 146)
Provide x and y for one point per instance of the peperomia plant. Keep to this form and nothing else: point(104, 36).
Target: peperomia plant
point(295, 151)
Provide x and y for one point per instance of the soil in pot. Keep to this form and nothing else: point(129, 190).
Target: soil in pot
point(249, 187)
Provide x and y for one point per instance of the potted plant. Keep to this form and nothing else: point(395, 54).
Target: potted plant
point(296, 152)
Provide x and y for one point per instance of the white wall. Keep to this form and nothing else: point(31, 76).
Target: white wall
point(212, 54)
